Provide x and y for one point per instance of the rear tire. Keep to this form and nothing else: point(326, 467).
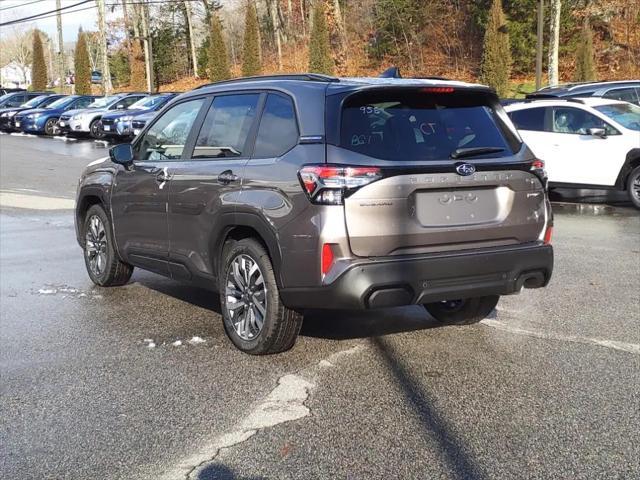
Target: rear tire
point(254, 317)
point(633, 187)
point(50, 127)
point(103, 265)
point(462, 312)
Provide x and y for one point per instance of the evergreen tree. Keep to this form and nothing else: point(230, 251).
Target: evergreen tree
point(320, 60)
point(138, 80)
point(218, 59)
point(82, 66)
point(251, 64)
point(496, 56)
point(585, 64)
point(39, 66)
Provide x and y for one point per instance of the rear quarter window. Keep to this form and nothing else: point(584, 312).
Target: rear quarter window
point(529, 119)
point(413, 125)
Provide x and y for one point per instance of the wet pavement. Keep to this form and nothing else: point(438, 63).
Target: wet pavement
point(93, 382)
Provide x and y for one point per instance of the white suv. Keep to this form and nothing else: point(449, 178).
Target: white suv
point(584, 142)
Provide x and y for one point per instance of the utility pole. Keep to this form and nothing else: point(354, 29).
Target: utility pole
point(148, 47)
point(60, 46)
point(539, 44)
point(192, 39)
point(102, 25)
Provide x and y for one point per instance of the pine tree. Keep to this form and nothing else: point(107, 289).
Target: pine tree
point(218, 58)
point(251, 64)
point(39, 67)
point(496, 56)
point(585, 64)
point(138, 80)
point(320, 60)
point(82, 66)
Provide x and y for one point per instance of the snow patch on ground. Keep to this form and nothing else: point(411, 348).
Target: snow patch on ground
point(66, 291)
point(195, 340)
point(177, 343)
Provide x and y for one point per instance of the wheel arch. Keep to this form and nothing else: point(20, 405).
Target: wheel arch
point(631, 161)
point(238, 226)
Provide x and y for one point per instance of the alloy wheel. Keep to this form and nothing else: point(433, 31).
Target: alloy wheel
point(246, 296)
point(635, 187)
point(96, 245)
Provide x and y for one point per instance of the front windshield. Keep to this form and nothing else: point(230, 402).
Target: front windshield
point(103, 101)
point(61, 102)
point(148, 102)
point(34, 102)
point(626, 114)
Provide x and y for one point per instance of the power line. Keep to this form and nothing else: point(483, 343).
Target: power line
point(22, 5)
point(36, 17)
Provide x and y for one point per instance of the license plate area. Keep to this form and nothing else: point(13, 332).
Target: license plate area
point(462, 206)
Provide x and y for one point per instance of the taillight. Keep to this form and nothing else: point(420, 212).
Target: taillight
point(327, 184)
point(537, 164)
point(327, 258)
point(547, 235)
point(537, 168)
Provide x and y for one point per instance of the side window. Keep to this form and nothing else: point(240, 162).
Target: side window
point(529, 119)
point(166, 138)
point(278, 131)
point(624, 94)
point(226, 127)
point(82, 102)
point(577, 122)
point(125, 103)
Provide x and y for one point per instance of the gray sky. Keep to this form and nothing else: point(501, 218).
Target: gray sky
point(70, 21)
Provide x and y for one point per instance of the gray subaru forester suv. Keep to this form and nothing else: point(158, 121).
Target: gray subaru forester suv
point(296, 192)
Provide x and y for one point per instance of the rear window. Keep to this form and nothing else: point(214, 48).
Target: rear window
point(413, 125)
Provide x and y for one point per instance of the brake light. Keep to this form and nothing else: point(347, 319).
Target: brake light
point(547, 235)
point(327, 184)
point(327, 258)
point(537, 164)
point(437, 90)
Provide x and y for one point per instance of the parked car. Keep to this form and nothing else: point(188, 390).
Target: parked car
point(85, 121)
point(5, 90)
point(15, 99)
point(7, 115)
point(627, 91)
point(585, 143)
point(118, 124)
point(291, 192)
point(45, 120)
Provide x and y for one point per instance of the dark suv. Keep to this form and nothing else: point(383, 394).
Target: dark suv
point(301, 192)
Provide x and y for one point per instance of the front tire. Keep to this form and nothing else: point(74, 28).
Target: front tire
point(103, 265)
point(254, 317)
point(50, 127)
point(462, 312)
point(633, 187)
point(95, 128)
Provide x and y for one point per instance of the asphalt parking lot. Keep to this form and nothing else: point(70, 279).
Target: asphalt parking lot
point(140, 382)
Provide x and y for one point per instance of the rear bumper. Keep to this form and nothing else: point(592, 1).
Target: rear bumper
point(430, 278)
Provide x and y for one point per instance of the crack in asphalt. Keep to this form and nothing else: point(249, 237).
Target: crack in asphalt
point(611, 344)
point(285, 403)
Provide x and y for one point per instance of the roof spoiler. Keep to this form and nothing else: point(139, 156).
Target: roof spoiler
point(391, 72)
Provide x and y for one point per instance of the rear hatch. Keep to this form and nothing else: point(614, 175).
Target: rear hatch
point(453, 174)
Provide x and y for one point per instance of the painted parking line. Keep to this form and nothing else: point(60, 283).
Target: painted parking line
point(35, 202)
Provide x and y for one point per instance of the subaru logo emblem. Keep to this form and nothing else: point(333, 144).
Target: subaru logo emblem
point(465, 169)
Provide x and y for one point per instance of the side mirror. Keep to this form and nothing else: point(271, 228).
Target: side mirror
point(120, 106)
point(121, 154)
point(597, 132)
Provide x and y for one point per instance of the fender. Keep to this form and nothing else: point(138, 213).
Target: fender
point(95, 183)
point(255, 221)
point(631, 162)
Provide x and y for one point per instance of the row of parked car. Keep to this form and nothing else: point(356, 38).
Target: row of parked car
point(587, 134)
point(120, 116)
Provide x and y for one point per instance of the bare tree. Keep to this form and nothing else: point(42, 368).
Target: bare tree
point(192, 39)
point(15, 48)
point(554, 41)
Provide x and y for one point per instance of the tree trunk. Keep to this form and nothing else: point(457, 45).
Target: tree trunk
point(554, 41)
point(148, 48)
point(102, 25)
point(192, 40)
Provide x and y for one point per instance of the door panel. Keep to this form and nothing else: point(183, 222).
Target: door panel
point(206, 188)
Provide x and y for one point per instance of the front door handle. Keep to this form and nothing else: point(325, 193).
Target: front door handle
point(162, 176)
point(227, 177)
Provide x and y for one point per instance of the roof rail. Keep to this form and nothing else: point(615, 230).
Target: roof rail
point(391, 72)
point(537, 98)
point(309, 77)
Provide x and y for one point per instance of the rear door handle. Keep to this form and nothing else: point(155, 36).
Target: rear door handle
point(228, 177)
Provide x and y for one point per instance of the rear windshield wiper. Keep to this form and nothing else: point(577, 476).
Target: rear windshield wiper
point(474, 151)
